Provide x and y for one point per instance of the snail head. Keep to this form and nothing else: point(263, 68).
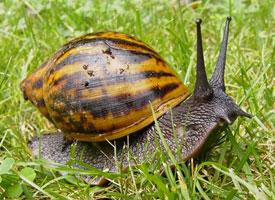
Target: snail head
point(212, 94)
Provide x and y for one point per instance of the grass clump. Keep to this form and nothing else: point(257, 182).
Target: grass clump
point(241, 168)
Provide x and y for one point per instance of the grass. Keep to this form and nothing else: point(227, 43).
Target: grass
point(240, 168)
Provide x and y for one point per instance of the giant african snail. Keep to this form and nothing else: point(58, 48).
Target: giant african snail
point(101, 86)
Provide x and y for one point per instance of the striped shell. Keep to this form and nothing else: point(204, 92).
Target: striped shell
point(101, 86)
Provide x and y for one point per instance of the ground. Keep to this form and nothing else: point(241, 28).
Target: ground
point(242, 167)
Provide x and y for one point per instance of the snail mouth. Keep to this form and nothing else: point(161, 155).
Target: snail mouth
point(228, 119)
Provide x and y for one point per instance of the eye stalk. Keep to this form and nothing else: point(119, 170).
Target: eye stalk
point(217, 80)
point(202, 87)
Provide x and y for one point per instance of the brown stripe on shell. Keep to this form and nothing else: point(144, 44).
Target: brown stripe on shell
point(111, 42)
point(129, 43)
point(111, 80)
point(68, 123)
point(132, 58)
point(38, 84)
point(77, 124)
point(118, 105)
point(71, 59)
point(40, 103)
point(84, 41)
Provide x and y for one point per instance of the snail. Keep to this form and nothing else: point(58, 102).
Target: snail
point(101, 87)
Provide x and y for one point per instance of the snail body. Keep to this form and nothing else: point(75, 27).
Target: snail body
point(102, 87)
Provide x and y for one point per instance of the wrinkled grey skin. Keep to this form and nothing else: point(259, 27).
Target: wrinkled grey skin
point(206, 111)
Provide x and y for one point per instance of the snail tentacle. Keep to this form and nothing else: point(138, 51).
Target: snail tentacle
point(217, 80)
point(202, 88)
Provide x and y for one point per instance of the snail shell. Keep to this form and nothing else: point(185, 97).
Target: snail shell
point(102, 86)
